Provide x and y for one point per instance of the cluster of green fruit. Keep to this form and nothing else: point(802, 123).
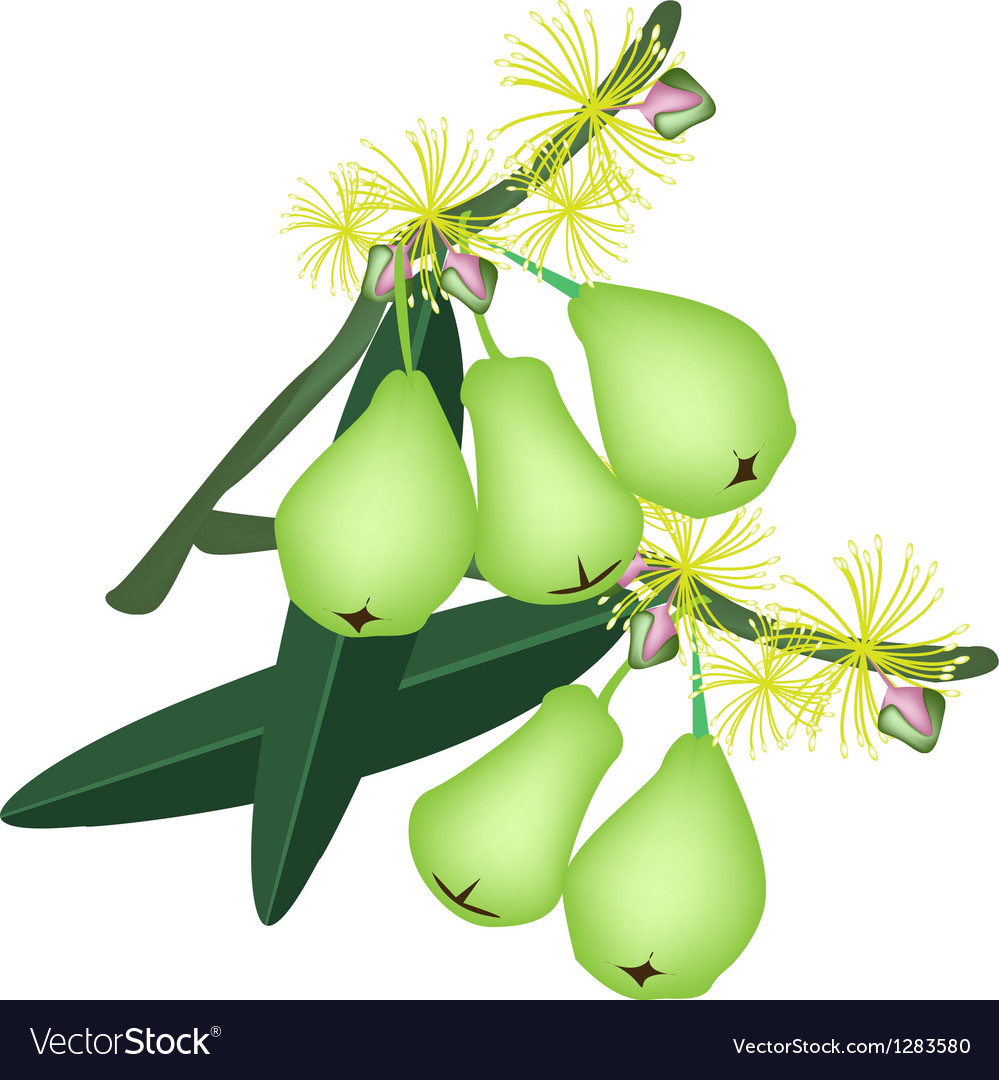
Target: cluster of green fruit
point(379, 531)
point(659, 901)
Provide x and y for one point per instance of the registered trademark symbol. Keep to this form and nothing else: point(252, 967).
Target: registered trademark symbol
point(216, 1030)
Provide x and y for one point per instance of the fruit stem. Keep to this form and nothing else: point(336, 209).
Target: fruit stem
point(613, 683)
point(402, 307)
point(557, 281)
point(492, 351)
point(698, 708)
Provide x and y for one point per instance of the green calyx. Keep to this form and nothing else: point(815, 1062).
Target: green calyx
point(454, 285)
point(671, 124)
point(891, 721)
point(640, 626)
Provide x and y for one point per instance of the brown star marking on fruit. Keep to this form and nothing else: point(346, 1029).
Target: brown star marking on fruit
point(744, 470)
point(584, 581)
point(643, 972)
point(463, 896)
point(360, 618)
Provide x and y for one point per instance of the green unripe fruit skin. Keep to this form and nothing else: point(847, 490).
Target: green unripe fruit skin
point(672, 882)
point(384, 520)
point(550, 511)
point(683, 393)
point(507, 824)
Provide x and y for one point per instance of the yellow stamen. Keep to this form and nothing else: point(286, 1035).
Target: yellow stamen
point(589, 109)
point(346, 222)
point(865, 641)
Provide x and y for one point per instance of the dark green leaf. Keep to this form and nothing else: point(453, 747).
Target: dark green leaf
point(312, 751)
point(197, 755)
point(436, 352)
point(439, 358)
point(475, 667)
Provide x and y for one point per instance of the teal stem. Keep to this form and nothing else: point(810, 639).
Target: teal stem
point(557, 281)
point(402, 306)
point(613, 683)
point(698, 708)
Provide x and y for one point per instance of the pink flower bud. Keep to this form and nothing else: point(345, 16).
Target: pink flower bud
point(665, 99)
point(654, 639)
point(913, 715)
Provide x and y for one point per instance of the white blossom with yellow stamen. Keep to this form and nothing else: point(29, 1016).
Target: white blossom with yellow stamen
point(771, 689)
point(679, 567)
point(866, 646)
point(346, 223)
point(579, 211)
point(573, 75)
point(427, 206)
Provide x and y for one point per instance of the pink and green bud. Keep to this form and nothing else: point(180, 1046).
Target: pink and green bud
point(654, 639)
point(470, 279)
point(677, 102)
point(664, 98)
point(913, 714)
point(379, 277)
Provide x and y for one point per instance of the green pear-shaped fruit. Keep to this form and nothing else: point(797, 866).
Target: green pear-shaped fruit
point(555, 525)
point(493, 843)
point(380, 529)
point(692, 406)
point(665, 895)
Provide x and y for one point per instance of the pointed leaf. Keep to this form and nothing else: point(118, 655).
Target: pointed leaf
point(453, 663)
point(197, 755)
point(439, 358)
point(312, 751)
point(473, 668)
point(436, 352)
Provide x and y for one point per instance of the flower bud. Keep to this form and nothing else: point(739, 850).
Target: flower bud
point(379, 277)
point(677, 102)
point(470, 279)
point(913, 714)
point(654, 639)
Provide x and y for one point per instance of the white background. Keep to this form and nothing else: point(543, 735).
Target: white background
point(841, 202)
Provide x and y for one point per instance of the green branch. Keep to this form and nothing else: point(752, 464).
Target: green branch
point(146, 587)
point(148, 584)
point(738, 620)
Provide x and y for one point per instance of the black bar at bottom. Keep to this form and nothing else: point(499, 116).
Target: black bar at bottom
point(474, 1038)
